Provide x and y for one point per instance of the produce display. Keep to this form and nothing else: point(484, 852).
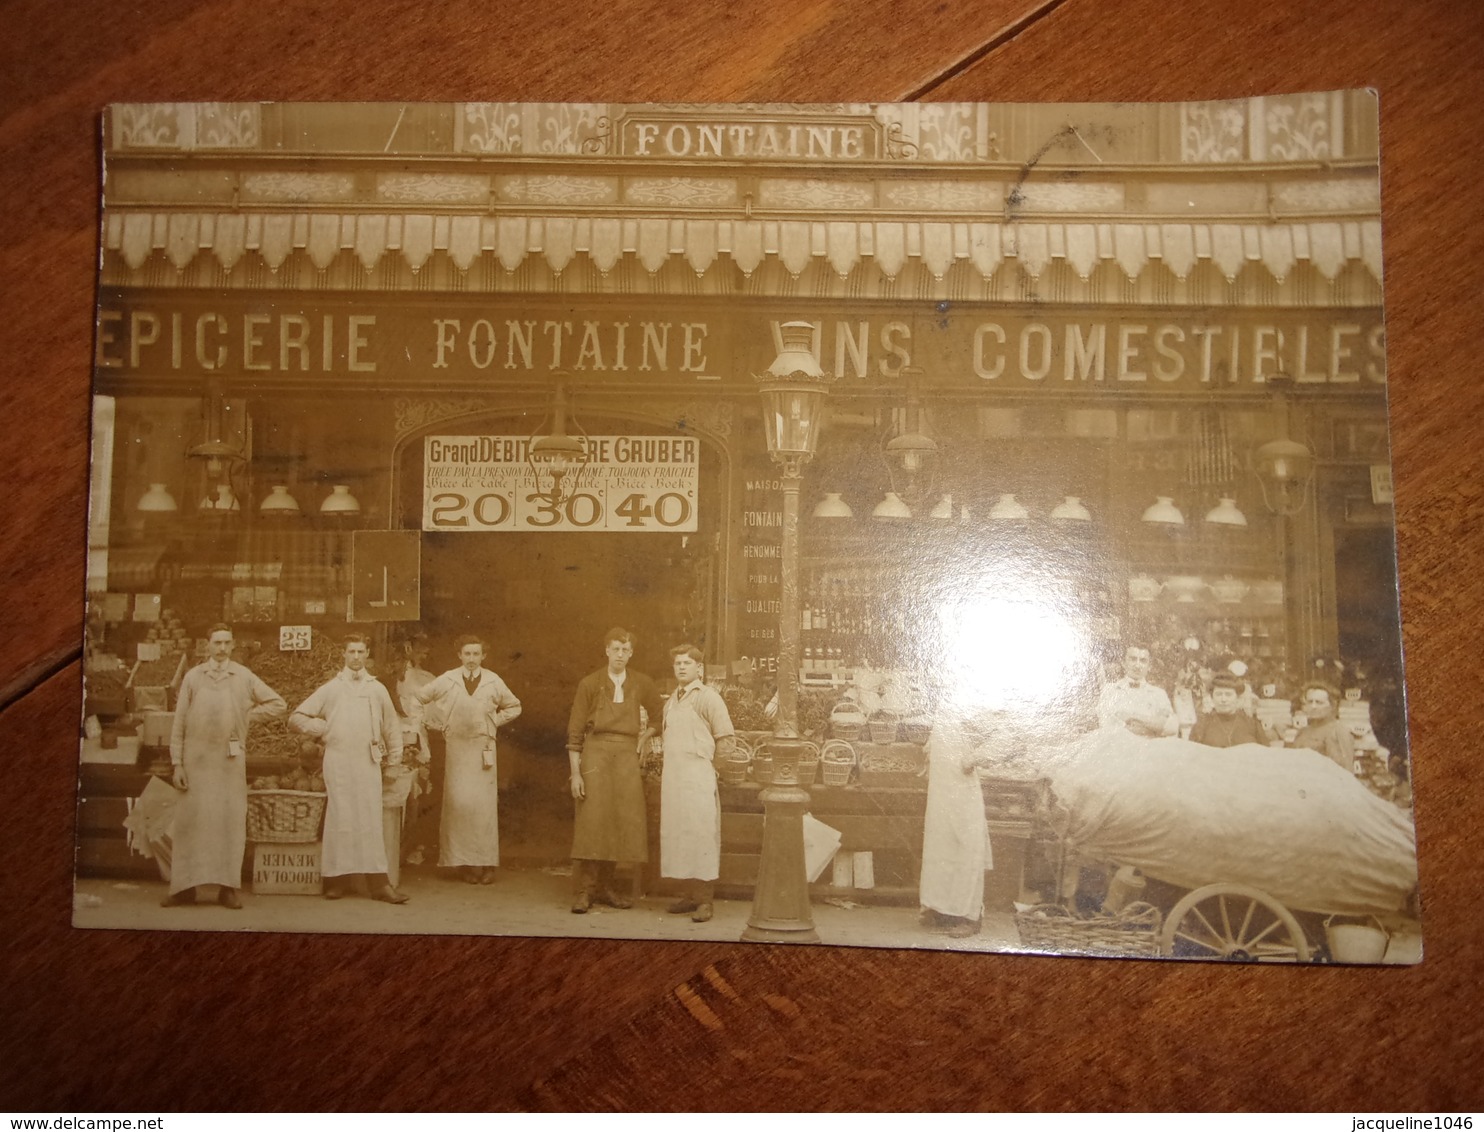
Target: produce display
point(294, 676)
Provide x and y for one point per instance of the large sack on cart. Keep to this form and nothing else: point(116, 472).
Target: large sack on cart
point(1289, 822)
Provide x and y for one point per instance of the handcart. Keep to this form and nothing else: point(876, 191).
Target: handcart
point(1250, 853)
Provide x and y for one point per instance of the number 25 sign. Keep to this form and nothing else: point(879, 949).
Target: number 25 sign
point(630, 483)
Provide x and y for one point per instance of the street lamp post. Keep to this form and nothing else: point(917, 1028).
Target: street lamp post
point(793, 391)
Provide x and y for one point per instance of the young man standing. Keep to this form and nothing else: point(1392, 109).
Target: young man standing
point(614, 713)
point(469, 704)
point(354, 715)
point(698, 731)
point(218, 701)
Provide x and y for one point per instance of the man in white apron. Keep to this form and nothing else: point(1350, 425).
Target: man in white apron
point(698, 731)
point(218, 701)
point(469, 704)
point(354, 715)
point(955, 833)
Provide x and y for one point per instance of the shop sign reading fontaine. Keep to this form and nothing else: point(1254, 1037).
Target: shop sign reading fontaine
point(471, 344)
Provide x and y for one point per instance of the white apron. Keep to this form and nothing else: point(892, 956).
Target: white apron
point(690, 807)
point(955, 834)
point(470, 830)
point(353, 840)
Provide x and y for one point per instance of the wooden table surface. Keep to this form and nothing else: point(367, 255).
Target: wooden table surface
point(141, 1021)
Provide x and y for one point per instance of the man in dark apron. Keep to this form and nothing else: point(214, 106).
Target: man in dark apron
point(614, 713)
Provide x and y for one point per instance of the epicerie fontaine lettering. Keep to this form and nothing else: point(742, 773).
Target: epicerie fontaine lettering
point(253, 342)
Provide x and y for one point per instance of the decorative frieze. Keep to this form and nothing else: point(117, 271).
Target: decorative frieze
point(557, 189)
point(433, 188)
point(187, 125)
point(1296, 127)
point(946, 196)
point(681, 192)
point(1066, 196)
point(1352, 195)
point(298, 188)
point(531, 127)
point(815, 194)
point(414, 414)
point(1213, 132)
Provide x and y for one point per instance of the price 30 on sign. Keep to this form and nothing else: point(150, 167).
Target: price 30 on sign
point(629, 483)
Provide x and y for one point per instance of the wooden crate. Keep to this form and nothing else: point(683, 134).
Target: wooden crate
point(287, 869)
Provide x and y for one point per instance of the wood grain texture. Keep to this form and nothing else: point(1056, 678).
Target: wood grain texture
point(101, 1020)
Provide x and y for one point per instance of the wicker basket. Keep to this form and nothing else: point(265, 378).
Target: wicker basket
point(847, 721)
point(732, 769)
point(809, 768)
point(837, 761)
point(284, 815)
point(916, 730)
point(1052, 928)
point(883, 726)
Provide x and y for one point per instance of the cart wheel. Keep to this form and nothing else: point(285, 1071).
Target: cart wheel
point(1231, 921)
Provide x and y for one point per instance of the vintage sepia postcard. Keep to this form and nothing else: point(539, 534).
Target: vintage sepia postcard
point(927, 525)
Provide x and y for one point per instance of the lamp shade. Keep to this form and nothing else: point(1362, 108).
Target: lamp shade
point(832, 507)
point(558, 453)
point(793, 390)
point(1283, 461)
point(225, 499)
point(1226, 513)
point(891, 508)
point(157, 500)
point(340, 502)
point(1071, 510)
point(1008, 508)
point(278, 501)
point(943, 509)
point(911, 451)
point(1163, 510)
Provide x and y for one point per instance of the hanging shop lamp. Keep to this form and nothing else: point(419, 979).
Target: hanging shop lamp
point(832, 507)
point(1226, 513)
point(891, 508)
point(157, 500)
point(340, 502)
point(1163, 511)
point(278, 501)
point(1071, 510)
point(1008, 509)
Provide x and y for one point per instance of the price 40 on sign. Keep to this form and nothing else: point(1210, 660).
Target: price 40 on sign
point(630, 483)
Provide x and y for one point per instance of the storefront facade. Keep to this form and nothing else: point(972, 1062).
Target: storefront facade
point(1064, 302)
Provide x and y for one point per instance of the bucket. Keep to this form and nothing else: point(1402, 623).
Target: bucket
point(1356, 942)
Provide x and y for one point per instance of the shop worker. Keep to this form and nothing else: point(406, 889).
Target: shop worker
point(469, 704)
point(1323, 732)
point(1226, 724)
point(697, 733)
point(614, 714)
point(353, 713)
point(218, 701)
point(955, 832)
point(1134, 703)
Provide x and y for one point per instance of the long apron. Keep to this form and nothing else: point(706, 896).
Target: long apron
point(469, 833)
point(610, 824)
point(353, 841)
point(955, 834)
point(690, 806)
point(209, 834)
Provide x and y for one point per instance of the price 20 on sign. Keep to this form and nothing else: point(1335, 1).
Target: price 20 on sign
point(629, 483)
